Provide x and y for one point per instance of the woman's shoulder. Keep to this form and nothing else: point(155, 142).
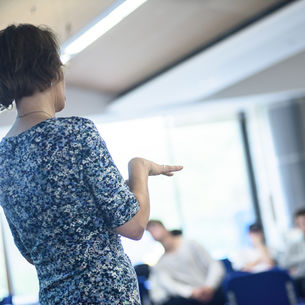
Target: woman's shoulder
point(60, 129)
point(75, 124)
point(76, 121)
point(79, 129)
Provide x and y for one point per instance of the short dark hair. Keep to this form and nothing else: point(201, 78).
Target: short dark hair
point(30, 62)
point(300, 212)
point(176, 232)
point(255, 228)
point(154, 222)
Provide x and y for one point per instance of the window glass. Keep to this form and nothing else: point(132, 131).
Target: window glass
point(23, 274)
point(213, 189)
point(210, 195)
point(148, 139)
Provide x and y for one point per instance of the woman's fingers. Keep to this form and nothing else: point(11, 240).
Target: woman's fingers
point(168, 170)
point(155, 169)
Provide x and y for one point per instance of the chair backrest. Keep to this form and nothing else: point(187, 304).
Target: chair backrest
point(7, 300)
point(273, 287)
point(227, 265)
point(142, 270)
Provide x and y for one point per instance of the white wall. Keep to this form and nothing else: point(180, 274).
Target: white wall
point(286, 76)
point(80, 102)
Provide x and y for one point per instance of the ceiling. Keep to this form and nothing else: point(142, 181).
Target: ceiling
point(66, 17)
point(287, 75)
point(155, 37)
point(262, 62)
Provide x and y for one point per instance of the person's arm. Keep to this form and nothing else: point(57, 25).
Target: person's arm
point(293, 257)
point(169, 285)
point(215, 273)
point(120, 207)
point(139, 170)
point(215, 270)
point(264, 257)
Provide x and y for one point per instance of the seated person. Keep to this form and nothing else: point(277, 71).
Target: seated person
point(294, 256)
point(186, 274)
point(256, 258)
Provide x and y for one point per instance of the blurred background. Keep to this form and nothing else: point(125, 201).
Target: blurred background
point(215, 85)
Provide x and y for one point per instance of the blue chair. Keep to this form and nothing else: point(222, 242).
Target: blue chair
point(274, 287)
point(142, 271)
point(227, 265)
point(7, 300)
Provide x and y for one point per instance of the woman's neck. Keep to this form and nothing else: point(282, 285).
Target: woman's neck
point(40, 103)
point(31, 110)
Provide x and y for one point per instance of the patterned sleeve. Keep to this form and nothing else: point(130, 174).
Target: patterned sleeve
point(114, 200)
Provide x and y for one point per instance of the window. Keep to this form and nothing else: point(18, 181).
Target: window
point(23, 274)
point(210, 195)
point(213, 189)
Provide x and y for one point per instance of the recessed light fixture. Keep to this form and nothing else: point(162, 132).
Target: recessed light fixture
point(105, 22)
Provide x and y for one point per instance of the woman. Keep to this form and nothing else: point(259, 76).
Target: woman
point(257, 257)
point(64, 199)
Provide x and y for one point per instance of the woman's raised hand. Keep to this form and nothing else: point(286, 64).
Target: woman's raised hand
point(154, 169)
point(167, 170)
point(139, 169)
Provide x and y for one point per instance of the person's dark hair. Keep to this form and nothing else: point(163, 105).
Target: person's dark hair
point(30, 62)
point(176, 232)
point(255, 228)
point(300, 212)
point(154, 222)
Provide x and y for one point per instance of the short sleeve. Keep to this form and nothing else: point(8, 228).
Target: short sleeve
point(114, 201)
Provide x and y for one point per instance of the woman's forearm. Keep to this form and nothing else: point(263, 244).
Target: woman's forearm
point(139, 169)
point(138, 183)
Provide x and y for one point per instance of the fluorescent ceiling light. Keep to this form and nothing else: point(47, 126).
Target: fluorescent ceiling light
point(103, 25)
point(65, 58)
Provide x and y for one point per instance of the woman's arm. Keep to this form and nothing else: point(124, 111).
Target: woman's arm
point(139, 170)
point(123, 208)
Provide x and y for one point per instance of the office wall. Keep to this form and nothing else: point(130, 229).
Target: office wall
point(287, 126)
point(80, 102)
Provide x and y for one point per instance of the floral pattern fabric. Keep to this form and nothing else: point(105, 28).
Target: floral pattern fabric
point(63, 196)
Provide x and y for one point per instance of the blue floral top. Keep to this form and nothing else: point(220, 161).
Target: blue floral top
point(63, 196)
